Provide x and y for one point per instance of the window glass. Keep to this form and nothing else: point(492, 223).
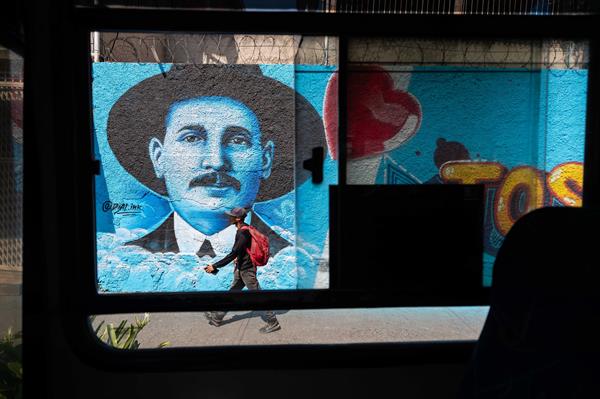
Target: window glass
point(11, 190)
point(506, 114)
point(310, 326)
point(487, 7)
point(189, 126)
point(219, 5)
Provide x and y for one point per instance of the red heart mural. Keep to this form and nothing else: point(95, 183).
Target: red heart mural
point(380, 117)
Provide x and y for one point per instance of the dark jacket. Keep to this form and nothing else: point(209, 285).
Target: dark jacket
point(162, 239)
point(239, 251)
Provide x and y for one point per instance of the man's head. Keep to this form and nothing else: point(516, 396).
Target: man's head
point(236, 215)
point(212, 156)
point(212, 137)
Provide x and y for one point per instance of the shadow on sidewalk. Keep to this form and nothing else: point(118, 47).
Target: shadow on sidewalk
point(249, 315)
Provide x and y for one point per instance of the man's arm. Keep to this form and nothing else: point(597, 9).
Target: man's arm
point(242, 241)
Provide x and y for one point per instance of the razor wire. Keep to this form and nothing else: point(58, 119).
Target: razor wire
point(522, 54)
point(218, 49)
point(287, 49)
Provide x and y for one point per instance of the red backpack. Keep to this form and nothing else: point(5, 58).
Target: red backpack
point(259, 247)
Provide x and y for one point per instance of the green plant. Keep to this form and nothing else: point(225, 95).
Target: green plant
point(11, 366)
point(123, 336)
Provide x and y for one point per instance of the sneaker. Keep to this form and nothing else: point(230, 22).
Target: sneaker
point(270, 327)
point(215, 323)
point(212, 320)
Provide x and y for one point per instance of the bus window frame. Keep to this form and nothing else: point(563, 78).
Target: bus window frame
point(79, 272)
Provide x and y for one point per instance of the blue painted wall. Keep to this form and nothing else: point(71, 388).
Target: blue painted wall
point(127, 210)
point(508, 119)
point(513, 118)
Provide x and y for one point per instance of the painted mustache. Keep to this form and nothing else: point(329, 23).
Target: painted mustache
point(216, 179)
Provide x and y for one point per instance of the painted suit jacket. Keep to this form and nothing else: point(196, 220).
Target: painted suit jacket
point(163, 239)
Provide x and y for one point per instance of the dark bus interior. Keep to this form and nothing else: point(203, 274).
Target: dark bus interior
point(537, 341)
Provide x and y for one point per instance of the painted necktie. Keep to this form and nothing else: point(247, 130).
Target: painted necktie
point(206, 249)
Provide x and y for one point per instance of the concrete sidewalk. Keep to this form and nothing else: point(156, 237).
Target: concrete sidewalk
point(328, 326)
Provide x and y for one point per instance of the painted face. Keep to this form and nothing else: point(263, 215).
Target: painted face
point(211, 158)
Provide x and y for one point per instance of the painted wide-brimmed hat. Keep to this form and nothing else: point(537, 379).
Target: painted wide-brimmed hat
point(286, 118)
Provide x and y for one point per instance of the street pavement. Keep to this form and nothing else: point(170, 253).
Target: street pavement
point(323, 326)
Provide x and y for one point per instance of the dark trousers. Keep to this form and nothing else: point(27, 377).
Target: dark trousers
point(241, 279)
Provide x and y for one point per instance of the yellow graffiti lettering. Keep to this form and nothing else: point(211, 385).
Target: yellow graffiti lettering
point(565, 183)
point(523, 181)
point(471, 172)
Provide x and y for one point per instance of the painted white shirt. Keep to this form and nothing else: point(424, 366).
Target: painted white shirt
point(189, 240)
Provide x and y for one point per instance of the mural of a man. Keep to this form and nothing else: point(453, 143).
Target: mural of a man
point(210, 138)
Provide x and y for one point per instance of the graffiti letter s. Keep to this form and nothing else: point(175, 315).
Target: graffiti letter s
point(565, 182)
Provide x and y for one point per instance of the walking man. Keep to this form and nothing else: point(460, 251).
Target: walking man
point(244, 274)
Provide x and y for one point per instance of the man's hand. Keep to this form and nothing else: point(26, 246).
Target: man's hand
point(209, 269)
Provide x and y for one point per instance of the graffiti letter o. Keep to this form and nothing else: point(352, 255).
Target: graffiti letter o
point(521, 191)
